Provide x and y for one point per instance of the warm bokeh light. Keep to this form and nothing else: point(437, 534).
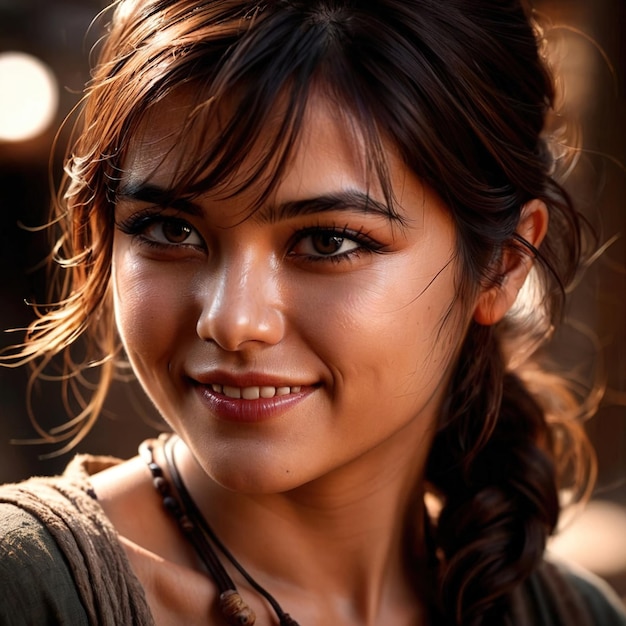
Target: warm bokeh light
point(596, 539)
point(28, 96)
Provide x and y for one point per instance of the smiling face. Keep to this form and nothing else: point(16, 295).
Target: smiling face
point(303, 339)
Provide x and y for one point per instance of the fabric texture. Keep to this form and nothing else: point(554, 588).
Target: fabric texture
point(61, 563)
point(60, 558)
point(563, 595)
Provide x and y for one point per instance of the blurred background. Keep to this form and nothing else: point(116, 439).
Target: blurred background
point(44, 63)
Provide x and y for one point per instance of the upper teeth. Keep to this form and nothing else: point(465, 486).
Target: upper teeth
point(254, 393)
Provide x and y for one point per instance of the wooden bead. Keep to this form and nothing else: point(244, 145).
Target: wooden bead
point(235, 610)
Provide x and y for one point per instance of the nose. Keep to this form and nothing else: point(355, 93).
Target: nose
point(242, 306)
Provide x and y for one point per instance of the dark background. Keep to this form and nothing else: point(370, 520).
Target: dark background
point(592, 54)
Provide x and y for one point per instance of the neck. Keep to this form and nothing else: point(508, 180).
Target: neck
point(343, 537)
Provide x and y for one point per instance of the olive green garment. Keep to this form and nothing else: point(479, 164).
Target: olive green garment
point(61, 563)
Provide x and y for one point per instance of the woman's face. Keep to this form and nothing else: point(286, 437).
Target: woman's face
point(299, 342)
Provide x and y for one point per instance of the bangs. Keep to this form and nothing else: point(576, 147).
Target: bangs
point(247, 87)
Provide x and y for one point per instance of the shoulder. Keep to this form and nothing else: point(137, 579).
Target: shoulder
point(61, 556)
point(600, 599)
point(559, 593)
point(35, 581)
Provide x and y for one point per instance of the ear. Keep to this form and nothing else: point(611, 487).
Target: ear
point(494, 301)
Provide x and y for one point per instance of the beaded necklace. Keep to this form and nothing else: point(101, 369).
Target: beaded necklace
point(179, 503)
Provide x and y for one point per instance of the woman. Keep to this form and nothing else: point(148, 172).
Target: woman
point(327, 237)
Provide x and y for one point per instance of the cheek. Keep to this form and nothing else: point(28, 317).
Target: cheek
point(148, 308)
point(390, 317)
point(390, 340)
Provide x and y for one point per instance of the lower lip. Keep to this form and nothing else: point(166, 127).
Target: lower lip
point(249, 411)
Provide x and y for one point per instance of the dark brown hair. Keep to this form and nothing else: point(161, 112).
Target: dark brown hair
point(460, 89)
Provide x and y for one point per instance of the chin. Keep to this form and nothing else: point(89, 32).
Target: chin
point(253, 477)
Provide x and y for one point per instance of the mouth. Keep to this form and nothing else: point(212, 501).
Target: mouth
point(254, 400)
point(254, 393)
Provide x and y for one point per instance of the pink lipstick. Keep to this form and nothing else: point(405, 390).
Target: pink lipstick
point(250, 404)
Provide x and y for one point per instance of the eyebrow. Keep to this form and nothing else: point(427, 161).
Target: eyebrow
point(344, 200)
point(159, 196)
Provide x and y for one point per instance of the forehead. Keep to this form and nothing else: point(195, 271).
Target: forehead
point(173, 138)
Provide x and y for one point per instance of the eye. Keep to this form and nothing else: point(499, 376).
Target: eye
point(157, 229)
point(325, 243)
point(172, 231)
